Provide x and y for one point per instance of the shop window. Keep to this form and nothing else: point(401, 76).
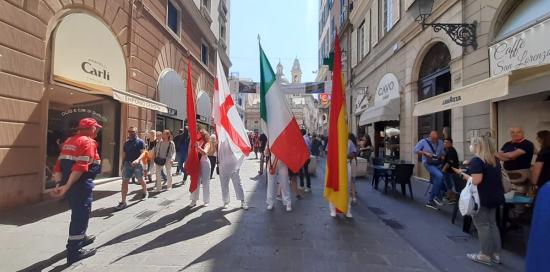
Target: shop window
point(66, 108)
point(173, 17)
point(204, 54)
point(360, 41)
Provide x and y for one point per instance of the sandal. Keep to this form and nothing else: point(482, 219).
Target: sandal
point(479, 258)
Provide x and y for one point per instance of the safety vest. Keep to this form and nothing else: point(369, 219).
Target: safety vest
point(78, 153)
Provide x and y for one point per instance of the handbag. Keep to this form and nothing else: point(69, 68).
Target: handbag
point(506, 182)
point(162, 161)
point(433, 161)
point(469, 204)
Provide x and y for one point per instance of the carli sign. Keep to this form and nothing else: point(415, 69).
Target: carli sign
point(86, 54)
point(530, 47)
point(387, 89)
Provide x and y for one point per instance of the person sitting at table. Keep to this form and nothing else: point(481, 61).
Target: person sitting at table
point(485, 171)
point(450, 161)
point(517, 155)
point(541, 169)
point(432, 152)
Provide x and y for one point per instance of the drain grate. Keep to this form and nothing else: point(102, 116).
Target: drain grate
point(166, 202)
point(394, 224)
point(377, 211)
point(145, 214)
point(459, 238)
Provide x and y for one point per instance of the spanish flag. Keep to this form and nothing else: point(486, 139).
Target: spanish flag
point(336, 176)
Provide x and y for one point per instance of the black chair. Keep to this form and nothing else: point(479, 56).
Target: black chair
point(402, 175)
point(375, 173)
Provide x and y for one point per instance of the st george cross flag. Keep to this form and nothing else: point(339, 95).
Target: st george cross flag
point(233, 143)
point(336, 176)
point(285, 139)
point(192, 166)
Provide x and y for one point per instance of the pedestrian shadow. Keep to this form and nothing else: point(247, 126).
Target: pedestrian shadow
point(34, 213)
point(159, 224)
point(39, 266)
point(208, 222)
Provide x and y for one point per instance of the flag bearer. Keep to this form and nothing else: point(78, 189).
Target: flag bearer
point(278, 174)
point(74, 174)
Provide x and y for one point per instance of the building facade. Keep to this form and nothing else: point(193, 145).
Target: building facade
point(121, 62)
point(417, 80)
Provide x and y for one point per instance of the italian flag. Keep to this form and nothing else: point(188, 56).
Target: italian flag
point(285, 139)
point(336, 176)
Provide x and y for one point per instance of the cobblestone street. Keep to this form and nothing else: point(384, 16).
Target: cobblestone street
point(163, 234)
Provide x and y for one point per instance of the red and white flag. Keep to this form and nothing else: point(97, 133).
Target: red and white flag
point(233, 143)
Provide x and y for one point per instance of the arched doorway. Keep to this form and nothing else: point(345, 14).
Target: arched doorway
point(172, 92)
point(84, 76)
point(435, 79)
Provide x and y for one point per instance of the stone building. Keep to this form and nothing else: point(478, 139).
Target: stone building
point(417, 80)
point(122, 62)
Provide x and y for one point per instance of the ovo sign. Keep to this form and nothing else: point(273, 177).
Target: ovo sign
point(387, 89)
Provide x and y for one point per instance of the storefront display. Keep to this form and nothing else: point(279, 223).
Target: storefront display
point(384, 115)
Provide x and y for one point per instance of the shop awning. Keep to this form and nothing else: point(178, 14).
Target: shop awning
point(512, 84)
point(139, 101)
point(477, 92)
point(387, 112)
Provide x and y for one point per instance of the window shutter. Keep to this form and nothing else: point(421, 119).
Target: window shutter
point(374, 23)
point(366, 34)
point(396, 11)
point(353, 48)
point(408, 4)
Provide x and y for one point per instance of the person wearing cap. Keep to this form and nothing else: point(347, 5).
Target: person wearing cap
point(74, 172)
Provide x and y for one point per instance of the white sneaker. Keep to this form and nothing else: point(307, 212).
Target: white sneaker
point(145, 195)
point(193, 203)
point(349, 215)
point(288, 208)
point(269, 207)
point(225, 206)
point(243, 205)
point(205, 204)
point(332, 213)
point(156, 191)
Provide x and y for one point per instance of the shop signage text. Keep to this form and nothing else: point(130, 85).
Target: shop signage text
point(387, 89)
point(88, 68)
point(527, 48)
point(94, 114)
point(451, 100)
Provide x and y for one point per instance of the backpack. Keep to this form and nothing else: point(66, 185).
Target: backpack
point(469, 204)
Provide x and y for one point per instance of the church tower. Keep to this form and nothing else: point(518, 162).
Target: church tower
point(279, 73)
point(296, 72)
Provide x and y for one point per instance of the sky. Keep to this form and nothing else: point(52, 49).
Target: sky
point(288, 29)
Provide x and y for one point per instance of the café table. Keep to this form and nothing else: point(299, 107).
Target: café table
point(381, 172)
point(503, 212)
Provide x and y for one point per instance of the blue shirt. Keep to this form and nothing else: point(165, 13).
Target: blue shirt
point(537, 247)
point(132, 149)
point(424, 145)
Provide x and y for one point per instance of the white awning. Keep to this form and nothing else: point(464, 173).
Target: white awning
point(388, 112)
point(494, 88)
point(136, 100)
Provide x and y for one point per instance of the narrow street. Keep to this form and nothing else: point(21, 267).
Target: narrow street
point(163, 234)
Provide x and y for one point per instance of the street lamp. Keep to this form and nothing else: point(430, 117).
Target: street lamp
point(462, 34)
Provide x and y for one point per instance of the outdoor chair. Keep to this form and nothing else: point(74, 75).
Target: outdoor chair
point(401, 175)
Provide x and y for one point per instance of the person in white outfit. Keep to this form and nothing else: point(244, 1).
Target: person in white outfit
point(163, 153)
point(278, 173)
point(203, 147)
point(352, 153)
point(229, 167)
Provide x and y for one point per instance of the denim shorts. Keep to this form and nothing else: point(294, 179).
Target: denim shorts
point(128, 171)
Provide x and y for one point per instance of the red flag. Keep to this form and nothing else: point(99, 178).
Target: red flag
point(192, 166)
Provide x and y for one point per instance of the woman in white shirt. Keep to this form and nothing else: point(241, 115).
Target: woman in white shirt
point(163, 152)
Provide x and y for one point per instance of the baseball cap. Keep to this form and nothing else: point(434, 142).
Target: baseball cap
point(88, 123)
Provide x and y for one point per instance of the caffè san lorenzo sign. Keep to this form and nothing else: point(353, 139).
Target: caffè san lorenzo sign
point(530, 47)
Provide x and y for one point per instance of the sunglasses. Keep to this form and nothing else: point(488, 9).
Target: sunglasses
point(131, 132)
